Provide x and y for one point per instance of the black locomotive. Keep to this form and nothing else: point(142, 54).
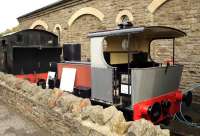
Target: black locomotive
point(28, 52)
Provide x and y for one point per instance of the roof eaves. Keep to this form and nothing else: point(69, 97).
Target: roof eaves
point(43, 8)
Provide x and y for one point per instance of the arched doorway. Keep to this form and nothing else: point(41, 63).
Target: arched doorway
point(79, 30)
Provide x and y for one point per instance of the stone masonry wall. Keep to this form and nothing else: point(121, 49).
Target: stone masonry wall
point(181, 14)
point(64, 114)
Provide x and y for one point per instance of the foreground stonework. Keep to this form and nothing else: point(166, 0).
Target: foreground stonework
point(65, 114)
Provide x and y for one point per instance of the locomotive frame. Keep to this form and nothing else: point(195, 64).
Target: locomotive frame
point(150, 90)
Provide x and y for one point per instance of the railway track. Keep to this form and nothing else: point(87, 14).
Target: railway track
point(174, 131)
point(177, 134)
point(179, 129)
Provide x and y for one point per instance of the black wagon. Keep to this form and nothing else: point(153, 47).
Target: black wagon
point(27, 53)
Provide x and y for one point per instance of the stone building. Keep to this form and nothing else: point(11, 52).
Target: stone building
point(71, 20)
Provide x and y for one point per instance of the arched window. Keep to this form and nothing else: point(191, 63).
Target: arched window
point(39, 27)
point(58, 33)
point(124, 16)
point(125, 19)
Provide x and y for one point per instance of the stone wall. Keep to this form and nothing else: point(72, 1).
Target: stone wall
point(181, 14)
point(64, 114)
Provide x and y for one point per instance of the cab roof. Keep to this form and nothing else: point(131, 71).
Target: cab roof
point(153, 32)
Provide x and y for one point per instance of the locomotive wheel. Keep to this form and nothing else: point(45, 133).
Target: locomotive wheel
point(42, 83)
point(154, 111)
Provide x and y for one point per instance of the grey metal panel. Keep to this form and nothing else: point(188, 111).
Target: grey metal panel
point(152, 82)
point(102, 87)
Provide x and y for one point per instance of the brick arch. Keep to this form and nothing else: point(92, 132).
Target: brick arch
point(86, 11)
point(39, 23)
point(155, 4)
point(121, 13)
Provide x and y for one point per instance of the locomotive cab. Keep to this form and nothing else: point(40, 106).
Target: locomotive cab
point(123, 73)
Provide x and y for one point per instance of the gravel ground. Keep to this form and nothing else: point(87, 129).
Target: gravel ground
point(14, 124)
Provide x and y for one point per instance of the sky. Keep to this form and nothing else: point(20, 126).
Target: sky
point(11, 9)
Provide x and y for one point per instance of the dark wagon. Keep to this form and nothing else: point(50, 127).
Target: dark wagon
point(27, 53)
